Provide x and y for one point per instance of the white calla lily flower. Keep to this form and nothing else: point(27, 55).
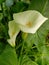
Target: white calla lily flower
point(13, 32)
point(29, 21)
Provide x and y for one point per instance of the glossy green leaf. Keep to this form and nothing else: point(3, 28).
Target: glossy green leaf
point(8, 57)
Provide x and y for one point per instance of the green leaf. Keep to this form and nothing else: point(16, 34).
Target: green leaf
point(28, 61)
point(2, 47)
point(38, 5)
point(1, 1)
point(0, 7)
point(17, 8)
point(44, 57)
point(8, 57)
point(1, 16)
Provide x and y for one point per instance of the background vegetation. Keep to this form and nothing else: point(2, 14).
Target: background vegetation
point(34, 50)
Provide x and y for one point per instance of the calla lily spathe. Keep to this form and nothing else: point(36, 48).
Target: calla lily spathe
point(27, 21)
point(13, 31)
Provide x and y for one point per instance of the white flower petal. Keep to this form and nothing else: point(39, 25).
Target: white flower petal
point(29, 21)
point(11, 41)
point(33, 29)
point(13, 32)
point(24, 17)
point(13, 28)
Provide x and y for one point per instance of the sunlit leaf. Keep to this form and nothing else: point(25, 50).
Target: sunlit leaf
point(8, 57)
